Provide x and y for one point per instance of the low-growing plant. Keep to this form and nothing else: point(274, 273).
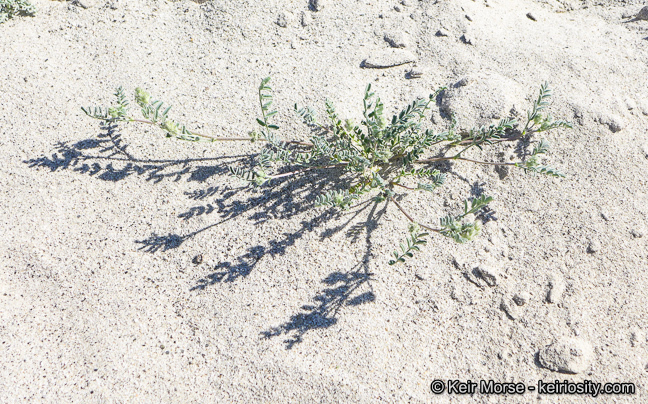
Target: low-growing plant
point(9, 8)
point(379, 157)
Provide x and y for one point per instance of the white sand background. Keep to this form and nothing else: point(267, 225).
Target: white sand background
point(99, 298)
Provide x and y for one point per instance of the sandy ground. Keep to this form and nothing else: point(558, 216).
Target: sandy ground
point(100, 300)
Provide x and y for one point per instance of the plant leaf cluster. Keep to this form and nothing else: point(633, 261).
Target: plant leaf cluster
point(9, 8)
point(380, 157)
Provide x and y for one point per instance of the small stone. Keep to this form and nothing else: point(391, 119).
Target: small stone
point(637, 338)
point(389, 58)
point(198, 259)
point(406, 3)
point(463, 82)
point(317, 5)
point(521, 298)
point(306, 19)
point(613, 122)
point(636, 233)
point(469, 18)
point(397, 39)
point(488, 274)
point(643, 107)
point(461, 296)
point(86, 3)
point(531, 17)
point(467, 39)
point(642, 14)
point(630, 104)
point(594, 247)
point(644, 149)
point(285, 19)
point(397, 8)
point(568, 355)
point(556, 288)
point(507, 306)
point(442, 32)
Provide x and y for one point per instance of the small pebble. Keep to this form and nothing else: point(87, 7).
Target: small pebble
point(306, 19)
point(461, 296)
point(441, 32)
point(521, 298)
point(644, 149)
point(397, 39)
point(198, 259)
point(531, 17)
point(630, 104)
point(556, 288)
point(507, 306)
point(569, 355)
point(642, 14)
point(613, 122)
point(469, 18)
point(643, 106)
point(637, 338)
point(406, 3)
point(317, 5)
point(397, 8)
point(285, 19)
point(488, 274)
point(87, 3)
point(594, 246)
point(635, 233)
point(463, 82)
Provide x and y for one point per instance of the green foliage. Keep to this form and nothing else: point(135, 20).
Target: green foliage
point(452, 226)
point(380, 156)
point(533, 165)
point(9, 8)
point(414, 239)
point(535, 118)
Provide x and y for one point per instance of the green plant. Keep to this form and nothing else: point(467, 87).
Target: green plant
point(379, 156)
point(9, 8)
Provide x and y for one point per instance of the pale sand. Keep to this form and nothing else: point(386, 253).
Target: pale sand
point(100, 300)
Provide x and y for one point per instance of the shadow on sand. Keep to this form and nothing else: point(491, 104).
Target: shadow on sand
point(98, 157)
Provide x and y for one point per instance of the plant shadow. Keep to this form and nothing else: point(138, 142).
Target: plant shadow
point(350, 288)
point(107, 158)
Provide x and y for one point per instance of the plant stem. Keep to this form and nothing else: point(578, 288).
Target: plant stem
point(225, 139)
point(306, 169)
point(435, 159)
point(410, 218)
point(403, 186)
